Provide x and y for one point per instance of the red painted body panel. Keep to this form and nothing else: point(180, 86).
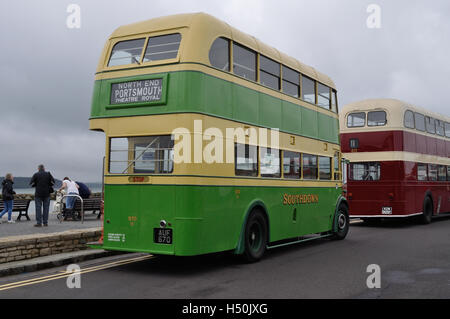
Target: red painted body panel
point(386, 141)
point(398, 186)
point(367, 198)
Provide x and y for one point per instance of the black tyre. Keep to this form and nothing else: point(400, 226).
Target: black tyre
point(256, 236)
point(427, 211)
point(342, 222)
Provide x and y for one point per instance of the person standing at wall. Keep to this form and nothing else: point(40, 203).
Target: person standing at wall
point(43, 181)
point(8, 197)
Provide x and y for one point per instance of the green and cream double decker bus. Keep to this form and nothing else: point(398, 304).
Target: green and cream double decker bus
point(214, 142)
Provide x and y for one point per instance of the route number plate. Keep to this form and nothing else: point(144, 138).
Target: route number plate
point(162, 236)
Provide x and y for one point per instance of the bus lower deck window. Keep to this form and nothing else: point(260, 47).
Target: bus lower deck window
point(422, 174)
point(309, 166)
point(144, 154)
point(325, 168)
point(365, 171)
point(270, 162)
point(291, 165)
point(246, 160)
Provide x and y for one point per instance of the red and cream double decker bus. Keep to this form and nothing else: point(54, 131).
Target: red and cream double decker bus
point(398, 160)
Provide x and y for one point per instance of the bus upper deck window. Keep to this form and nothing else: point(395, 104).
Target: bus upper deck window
point(447, 129)
point(308, 90)
point(291, 82)
point(419, 121)
point(269, 72)
point(162, 47)
point(356, 119)
point(126, 52)
point(323, 96)
point(440, 128)
point(244, 62)
point(409, 119)
point(219, 54)
point(334, 106)
point(377, 118)
point(430, 125)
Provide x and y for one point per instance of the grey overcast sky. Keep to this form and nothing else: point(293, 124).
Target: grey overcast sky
point(47, 70)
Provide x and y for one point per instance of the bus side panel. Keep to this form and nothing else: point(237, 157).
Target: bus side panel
point(206, 219)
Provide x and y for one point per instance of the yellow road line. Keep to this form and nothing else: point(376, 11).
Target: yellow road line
point(67, 274)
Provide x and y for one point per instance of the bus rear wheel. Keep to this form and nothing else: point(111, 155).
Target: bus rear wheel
point(427, 210)
point(256, 236)
point(342, 223)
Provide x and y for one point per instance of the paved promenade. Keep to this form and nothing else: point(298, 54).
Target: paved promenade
point(25, 227)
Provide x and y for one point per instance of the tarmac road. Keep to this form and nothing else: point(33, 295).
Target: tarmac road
point(414, 261)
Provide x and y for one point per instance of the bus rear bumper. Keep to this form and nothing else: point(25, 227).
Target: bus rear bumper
point(384, 216)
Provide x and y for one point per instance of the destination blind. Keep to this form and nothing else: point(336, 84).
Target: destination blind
point(137, 91)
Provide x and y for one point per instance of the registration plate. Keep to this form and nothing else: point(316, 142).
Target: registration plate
point(386, 210)
point(162, 235)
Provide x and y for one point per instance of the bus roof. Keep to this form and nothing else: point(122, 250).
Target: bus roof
point(395, 110)
point(204, 29)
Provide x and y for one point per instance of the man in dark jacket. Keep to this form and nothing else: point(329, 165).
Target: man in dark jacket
point(84, 190)
point(43, 181)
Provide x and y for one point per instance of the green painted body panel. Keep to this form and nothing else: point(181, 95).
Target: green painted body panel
point(207, 219)
point(196, 92)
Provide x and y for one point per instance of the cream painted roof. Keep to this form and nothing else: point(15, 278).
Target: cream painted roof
point(203, 30)
point(395, 110)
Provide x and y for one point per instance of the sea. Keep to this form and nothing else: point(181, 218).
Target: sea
point(31, 190)
point(31, 209)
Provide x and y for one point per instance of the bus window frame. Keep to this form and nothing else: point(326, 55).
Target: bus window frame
point(164, 61)
point(377, 111)
point(413, 120)
point(356, 126)
point(114, 41)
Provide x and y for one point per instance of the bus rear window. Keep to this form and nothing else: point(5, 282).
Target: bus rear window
point(162, 47)
point(365, 171)
point(377, 118)
point(356, 119)
point(147, 154)
point(126, 52)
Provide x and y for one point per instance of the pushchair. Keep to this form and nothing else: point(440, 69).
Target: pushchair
point(62, 212)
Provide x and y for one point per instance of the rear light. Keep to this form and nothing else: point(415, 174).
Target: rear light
point(350, 195)
point(391, 195)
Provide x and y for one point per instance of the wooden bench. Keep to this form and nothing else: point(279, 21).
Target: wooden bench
point(19, 205)
point(89, 204)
